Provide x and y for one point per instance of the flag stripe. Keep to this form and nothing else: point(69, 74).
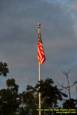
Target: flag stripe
point(40, 50)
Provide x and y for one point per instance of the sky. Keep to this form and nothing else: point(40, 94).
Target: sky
point(18, 40)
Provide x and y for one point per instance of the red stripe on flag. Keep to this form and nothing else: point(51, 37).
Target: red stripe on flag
point(40, 50)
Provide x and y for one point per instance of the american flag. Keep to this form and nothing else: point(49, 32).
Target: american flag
point(40, 50)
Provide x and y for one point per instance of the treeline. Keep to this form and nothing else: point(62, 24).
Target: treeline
point(26, 103)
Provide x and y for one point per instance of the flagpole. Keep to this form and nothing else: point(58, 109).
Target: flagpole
point(41, 59)
point(39, 93)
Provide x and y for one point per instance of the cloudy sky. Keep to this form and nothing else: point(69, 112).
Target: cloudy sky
point(18, 39)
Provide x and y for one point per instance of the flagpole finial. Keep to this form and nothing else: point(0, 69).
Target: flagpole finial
point(39, 25)
point(39, 28)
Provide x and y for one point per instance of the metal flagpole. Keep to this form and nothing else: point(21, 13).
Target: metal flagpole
point(41, 60)
point(39, 93)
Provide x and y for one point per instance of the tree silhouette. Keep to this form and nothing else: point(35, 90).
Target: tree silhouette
point(9, 99)
point(50, 94)
point(70, 104)
point(12, 85)
point(4, 69)
point(26, 103)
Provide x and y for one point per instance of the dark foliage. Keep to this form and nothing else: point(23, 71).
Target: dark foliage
point(70, 104)
point(4, 69)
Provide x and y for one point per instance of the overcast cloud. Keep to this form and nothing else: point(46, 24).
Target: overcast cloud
point(18, 38)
